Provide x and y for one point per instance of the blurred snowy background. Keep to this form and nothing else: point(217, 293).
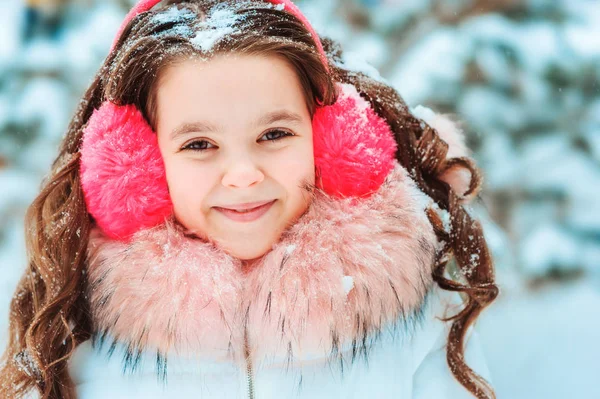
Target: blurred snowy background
point(523, 75)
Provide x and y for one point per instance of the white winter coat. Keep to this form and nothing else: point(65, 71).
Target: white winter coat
point(415, 370)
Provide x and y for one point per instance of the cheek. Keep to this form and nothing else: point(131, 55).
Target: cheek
point(296, 169)
point(188, 186)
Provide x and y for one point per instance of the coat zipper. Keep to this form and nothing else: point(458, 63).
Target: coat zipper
point(249, 372)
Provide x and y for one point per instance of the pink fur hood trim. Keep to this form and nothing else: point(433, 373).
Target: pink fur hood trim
point(345, 271)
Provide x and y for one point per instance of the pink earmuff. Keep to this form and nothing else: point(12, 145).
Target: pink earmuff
point(122, 171)
point(123, 176)
point(354, 148)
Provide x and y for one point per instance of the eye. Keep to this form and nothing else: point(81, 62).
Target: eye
point(198, 145)
point(277, 135)
point(203, 145)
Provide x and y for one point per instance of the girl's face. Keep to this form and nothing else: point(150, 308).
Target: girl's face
point(235, 130)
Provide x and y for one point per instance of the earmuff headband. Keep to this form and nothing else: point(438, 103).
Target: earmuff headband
point(146, 5)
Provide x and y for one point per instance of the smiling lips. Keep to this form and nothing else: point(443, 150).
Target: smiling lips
point(246, 212)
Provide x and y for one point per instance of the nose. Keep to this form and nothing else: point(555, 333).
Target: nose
point(242, 172)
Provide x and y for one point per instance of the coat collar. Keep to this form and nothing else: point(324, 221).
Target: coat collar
point(344, 272)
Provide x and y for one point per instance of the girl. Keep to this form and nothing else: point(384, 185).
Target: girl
point(235, 213)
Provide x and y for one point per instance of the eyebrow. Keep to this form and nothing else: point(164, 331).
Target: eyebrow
point(267, 119)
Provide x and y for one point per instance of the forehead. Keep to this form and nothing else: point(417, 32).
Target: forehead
point(228, 86)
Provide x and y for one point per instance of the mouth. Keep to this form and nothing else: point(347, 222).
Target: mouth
point(246, 215)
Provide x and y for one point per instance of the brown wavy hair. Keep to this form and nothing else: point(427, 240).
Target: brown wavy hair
point(49, 313)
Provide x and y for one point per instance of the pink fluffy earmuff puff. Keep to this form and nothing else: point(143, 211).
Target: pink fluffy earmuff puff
point(122, 172)
point(354, 148)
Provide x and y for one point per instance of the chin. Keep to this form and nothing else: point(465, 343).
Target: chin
point(249, 255)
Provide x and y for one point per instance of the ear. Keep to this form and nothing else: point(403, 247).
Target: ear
point(459, 178)
point(122, 172)
point(354, 147)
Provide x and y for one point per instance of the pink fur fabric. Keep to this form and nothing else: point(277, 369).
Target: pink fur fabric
point(458, 178)
point(122, 172)
point(345, 270)
point(354, 148)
